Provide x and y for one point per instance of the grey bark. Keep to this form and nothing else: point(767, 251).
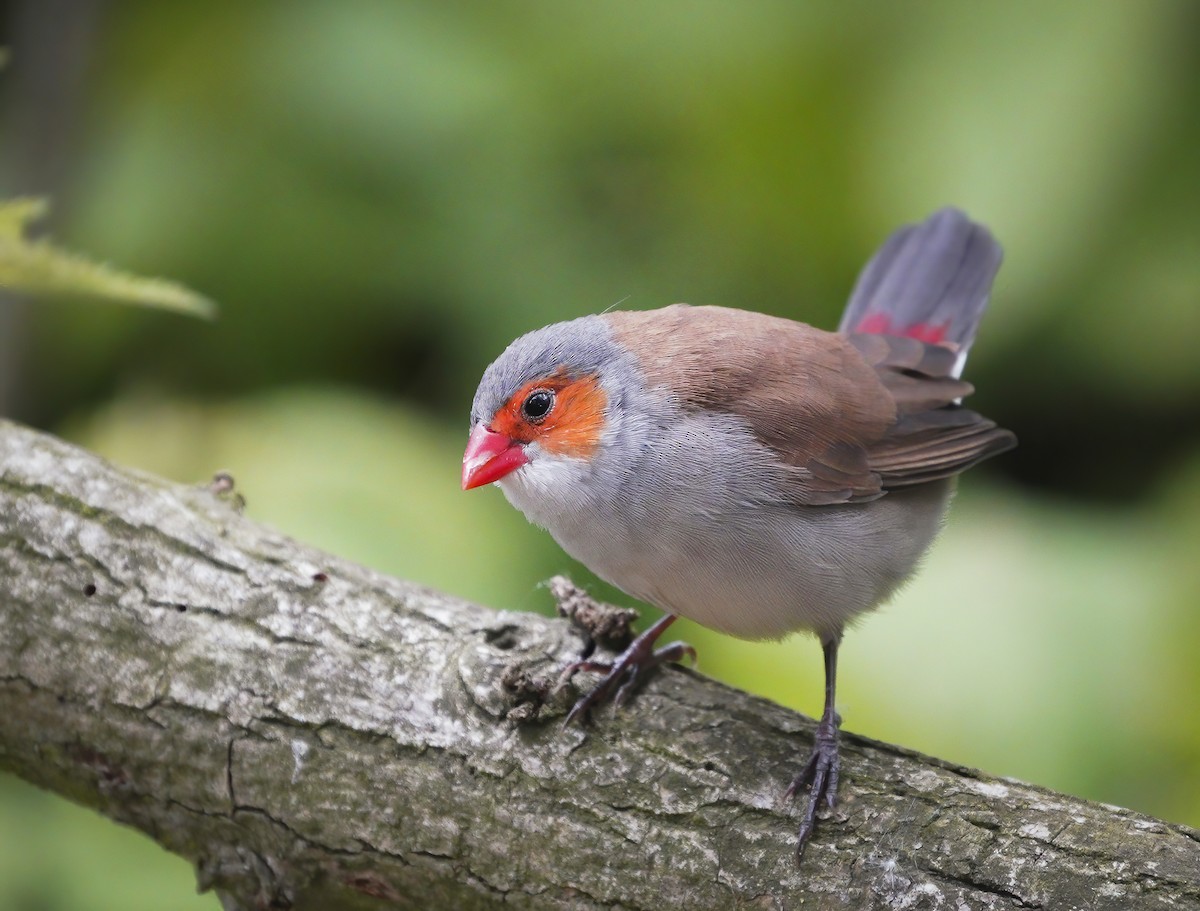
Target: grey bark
point(312, 734)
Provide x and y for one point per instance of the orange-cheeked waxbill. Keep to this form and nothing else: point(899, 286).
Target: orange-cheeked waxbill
point(752, 473)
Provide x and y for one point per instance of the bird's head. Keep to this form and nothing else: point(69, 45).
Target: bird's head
point(546, 408)
point(554, 416)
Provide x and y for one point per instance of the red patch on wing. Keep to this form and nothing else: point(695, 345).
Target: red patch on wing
point(571, 428)
point(875, 324)
point(881, 324)
point(926, 332)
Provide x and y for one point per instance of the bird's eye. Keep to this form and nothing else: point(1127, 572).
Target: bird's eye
point(537, 405)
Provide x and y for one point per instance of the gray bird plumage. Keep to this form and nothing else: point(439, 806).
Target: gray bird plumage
point(581, 346)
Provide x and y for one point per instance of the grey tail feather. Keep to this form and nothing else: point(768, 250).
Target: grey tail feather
point(930, 281)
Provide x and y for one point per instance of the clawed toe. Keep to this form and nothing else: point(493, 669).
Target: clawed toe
point(626, 672)
point(820, 777)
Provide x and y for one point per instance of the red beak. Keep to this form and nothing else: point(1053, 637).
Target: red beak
point(489, 457)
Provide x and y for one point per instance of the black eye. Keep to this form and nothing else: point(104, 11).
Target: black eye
point(537, 405)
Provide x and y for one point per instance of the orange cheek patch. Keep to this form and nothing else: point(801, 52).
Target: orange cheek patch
point(573, 426)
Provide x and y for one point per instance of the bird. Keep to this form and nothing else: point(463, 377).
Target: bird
point(750, 472)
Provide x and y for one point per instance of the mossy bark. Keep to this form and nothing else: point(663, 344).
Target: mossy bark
point(312, 734)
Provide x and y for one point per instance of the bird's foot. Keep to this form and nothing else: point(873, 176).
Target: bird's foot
point(819, 776)
point(623, 675)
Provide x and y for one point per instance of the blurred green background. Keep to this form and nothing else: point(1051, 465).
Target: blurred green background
point(381, 195)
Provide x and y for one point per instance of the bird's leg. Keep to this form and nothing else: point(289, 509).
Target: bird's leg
point(820, 773)
point(626, 670)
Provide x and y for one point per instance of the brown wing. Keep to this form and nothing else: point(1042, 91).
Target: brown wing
point(860, 425)
point(807, 394)
point(933, 436)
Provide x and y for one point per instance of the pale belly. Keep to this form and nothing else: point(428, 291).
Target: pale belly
point(696, 524)
point(760, 573)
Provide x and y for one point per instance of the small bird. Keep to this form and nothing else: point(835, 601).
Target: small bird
point(755, 474)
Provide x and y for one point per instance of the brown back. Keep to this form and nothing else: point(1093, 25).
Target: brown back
point(855, 415)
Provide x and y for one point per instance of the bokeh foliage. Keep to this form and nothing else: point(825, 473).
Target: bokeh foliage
point(381, 195)
point(37, 267)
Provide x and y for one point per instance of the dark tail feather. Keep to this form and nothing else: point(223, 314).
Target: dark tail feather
point(929, 281)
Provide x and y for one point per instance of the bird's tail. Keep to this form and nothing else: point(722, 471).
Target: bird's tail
point(929, 282)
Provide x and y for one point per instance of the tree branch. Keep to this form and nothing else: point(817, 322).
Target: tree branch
point(312, 734)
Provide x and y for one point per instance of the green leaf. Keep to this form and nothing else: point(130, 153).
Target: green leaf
point(38, 267)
